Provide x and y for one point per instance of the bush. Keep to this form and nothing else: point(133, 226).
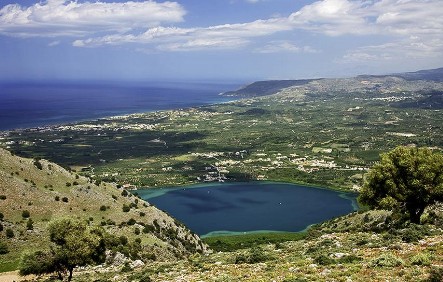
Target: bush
point(2, 197)
point(132, 221)
point(26, 214)
point(103, 208)
point(68, 184)
point(148, 228)
point(1, 227)
point(414, 233)
point(421, 259)
point(37, 263)
point(137, 231)
point(125, 193)
point(2, 216)
point(57, 198)
point(65, 199)
point(142, 214)
point(38, 164)
point(123, 240)
point(436, 274)
point(9, 233)
point(126, 208)
point(254, 255)
point(3, 248)
point(30, 224)
point(386, 260)
point(142, 277)
point(323, 260)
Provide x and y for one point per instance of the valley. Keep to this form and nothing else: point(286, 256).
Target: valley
point(325, 132)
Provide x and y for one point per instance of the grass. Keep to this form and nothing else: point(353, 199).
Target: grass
point(11, 265)
point(227, 243)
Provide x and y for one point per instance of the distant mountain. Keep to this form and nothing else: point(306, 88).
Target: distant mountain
point(269, 87)
point(41, 191)
point(433, 75)
point(263, 88)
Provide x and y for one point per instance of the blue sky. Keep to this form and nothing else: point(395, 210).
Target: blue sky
point(238, 40)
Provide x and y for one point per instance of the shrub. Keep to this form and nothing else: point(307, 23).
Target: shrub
point(123, 240)
point(65, 199)
point(436, 274)
point(68, 184)
point(1, 227)
point(148, 228)
point(141, 277)
point(421, 259)
point(125, 193)
point(414, 233)
point(103, 208)
point(349, 259)
point(254, 255)
point(142, 214)
point(2, 197)
point(9, 233)
point(30, 224)
point(126, 267)
point(137, 231)
point(37, 263)
point(75, 183)
point(126, 208)
point(38, 164)
point(386, 260)
point(1, 216)
point(26, 214)
point(323, 260)
point(57, 198)
point(3, 248)
point(132, 221)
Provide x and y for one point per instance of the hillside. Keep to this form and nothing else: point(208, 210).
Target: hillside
point(263, 88)
point(363, 246)
point(43, 191)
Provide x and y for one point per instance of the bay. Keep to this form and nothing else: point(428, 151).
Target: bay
point(25, 105)
point(211, 209)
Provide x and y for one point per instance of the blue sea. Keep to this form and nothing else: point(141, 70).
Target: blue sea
point(25, 105)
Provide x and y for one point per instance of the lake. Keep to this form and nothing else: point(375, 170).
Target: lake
point(212, 209)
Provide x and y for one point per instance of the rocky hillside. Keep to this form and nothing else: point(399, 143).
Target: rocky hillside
point(33, 192)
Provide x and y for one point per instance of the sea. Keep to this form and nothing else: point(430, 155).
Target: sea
point(34, 104)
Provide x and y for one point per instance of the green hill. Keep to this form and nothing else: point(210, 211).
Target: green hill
point(41, 191)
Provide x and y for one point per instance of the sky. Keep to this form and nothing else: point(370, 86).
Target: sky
point(217, 40)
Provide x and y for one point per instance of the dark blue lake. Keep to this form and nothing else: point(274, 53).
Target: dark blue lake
point(248, 207)
point(24, 105)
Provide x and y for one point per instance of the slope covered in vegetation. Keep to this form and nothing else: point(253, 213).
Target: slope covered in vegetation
point(35, 192)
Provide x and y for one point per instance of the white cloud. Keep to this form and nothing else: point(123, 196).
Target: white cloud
point(54, 43)
point(411, 48)
point(68, 18)
point(408, 27)
point(284, 46)
point(176, 39)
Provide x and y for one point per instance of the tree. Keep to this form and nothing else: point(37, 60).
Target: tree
point(76, 244)
point(73, 244)
point(37, 263)
point(406, 180)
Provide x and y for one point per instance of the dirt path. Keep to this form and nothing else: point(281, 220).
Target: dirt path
point(13, 277)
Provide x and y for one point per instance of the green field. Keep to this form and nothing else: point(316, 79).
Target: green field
point(327, 133)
